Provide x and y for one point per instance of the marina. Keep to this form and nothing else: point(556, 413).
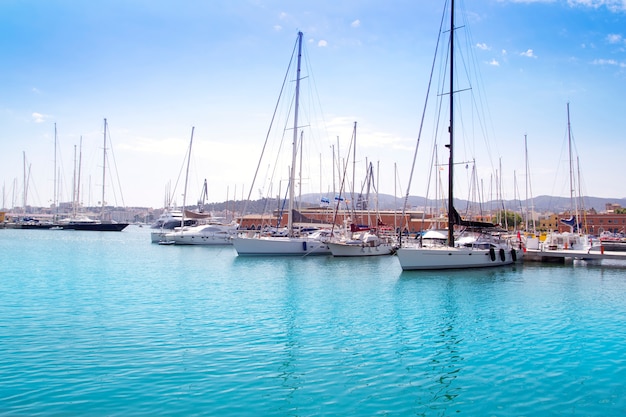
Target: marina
point(426, 263)
point(108, 324)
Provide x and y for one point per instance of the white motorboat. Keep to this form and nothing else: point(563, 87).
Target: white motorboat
point(204, 234)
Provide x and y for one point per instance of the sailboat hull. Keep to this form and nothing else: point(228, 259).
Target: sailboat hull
point(279, 246)
point(356, 250)
point(97, 227)
point(435, 258)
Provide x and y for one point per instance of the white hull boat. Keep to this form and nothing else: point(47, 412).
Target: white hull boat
point(294, 244)
point(484, 247)
point(280, 246)
point(353, 250)
point(367, 244)
point(442, 257)
point(207, 234)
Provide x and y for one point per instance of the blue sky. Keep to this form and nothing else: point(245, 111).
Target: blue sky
point(154, 69)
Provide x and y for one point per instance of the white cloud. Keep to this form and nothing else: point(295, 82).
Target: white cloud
point(607, 62)
point(35, 90)
point(504, 52)
point(529, 53)
point(494, 63)
point(483, 46)
point(612, 5)
point(278, 28)
point(40, 118)
point(614, 38)
point(322, 43)
point(533, 1)
point(356, 23)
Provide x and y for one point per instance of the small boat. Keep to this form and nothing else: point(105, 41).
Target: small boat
point(362, 244)
point(358, 241)
point(613, 242)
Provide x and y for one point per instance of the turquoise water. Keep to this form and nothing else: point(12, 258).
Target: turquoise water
point(109, 324)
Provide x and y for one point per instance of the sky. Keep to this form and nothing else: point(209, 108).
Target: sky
point(156, 69)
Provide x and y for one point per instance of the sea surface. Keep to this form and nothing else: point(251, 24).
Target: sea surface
point(108, 324)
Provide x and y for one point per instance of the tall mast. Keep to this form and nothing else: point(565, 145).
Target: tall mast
point(182, 221)
point(572, 186)
point(451, 129)
point(292, 175)
point(80, 163)
point(353, 188)
point(25, 183)
point(571, 169)
point(74, 181)
point(54, 197)
point(526, 161)
point(104, 164)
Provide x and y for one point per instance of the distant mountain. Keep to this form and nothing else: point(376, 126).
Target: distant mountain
point(541, 204)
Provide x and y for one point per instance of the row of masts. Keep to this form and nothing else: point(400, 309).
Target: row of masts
point(76, 179)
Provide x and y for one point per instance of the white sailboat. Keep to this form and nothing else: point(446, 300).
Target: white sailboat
point(485, 248)
point(361, 240)
point(363, 243)
point(295, 243)
point(575, 238)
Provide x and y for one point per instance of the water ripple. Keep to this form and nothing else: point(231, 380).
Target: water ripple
point(104, 324)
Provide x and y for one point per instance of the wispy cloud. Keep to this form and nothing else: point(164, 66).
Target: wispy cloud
point(281, 16)
point(494, 62)
point(612, 5)
point(39, 117)
point(610, 62)
point(322, 43)
point(615, 38)
point(529, 54)
point(483, 46)
point(356, 23)
point(532, 1)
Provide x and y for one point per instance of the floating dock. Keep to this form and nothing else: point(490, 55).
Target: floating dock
point(535, 255)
